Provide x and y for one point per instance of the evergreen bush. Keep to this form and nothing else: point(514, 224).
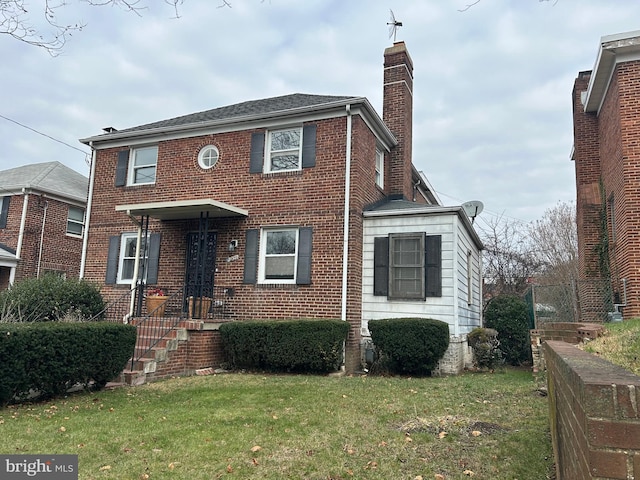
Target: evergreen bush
point(508, 315)
point(45, 359)
point(50, 298)
point(410, 345)
point(285, 346)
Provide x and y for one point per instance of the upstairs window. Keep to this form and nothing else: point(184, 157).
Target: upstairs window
point(379, 168)
point(284, 149)
point(143, 163)
point(75, 221)
point(208, 157)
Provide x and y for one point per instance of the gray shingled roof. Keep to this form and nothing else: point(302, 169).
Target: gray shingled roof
point(51, 177)
point(265, 106)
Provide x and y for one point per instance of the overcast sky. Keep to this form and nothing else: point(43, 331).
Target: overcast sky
point(492, 91)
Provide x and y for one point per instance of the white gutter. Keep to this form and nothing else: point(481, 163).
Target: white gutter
point(345, 228)
point(23, 221)
point(85, 233)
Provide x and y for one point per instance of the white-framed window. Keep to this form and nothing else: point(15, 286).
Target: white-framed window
point(208, 157)
point(469, 277)
point(379, 168)
point(127, 260)
point(143, 162)
point(75, 221)
point(406, 266)
point(278, 255)
point(284, 150)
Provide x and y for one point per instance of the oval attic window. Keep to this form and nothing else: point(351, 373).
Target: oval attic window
point(208, 156)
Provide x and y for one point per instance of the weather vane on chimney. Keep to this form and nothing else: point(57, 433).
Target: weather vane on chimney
point(393, 25)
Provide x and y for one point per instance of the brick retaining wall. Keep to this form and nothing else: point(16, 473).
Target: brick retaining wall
point(594, 415)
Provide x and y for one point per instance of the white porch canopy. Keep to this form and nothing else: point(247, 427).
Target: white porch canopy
point(183, 209)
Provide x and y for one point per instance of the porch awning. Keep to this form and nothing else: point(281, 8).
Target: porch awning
point(183, 209)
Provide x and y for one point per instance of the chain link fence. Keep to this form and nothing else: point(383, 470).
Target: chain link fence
point(592, 300)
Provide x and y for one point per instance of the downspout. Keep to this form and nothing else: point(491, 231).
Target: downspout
point(85, 233)
point(23, 221)
point(44, 221)
point(456, 227)
point(345, 229)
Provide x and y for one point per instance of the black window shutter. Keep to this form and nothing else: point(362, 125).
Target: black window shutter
point(303, 275)
point(153, 259)
point(433, 265)
point(251, 256)
point(121, 168)
point(381, 266)
point(257, 153)
point(112, 260)
point(308, 146)
point(4, 213)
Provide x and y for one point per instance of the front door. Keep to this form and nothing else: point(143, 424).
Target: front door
point(201, 265)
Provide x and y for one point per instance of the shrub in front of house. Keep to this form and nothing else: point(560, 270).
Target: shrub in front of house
point(45, 359)
point(50, 298)
point(310, 346)
point(409, 345)
point(486, 348)
point(508, 315)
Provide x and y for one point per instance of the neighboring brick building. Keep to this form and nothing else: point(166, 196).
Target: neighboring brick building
point(268, 200)
point(606, 118)
point(42, 210)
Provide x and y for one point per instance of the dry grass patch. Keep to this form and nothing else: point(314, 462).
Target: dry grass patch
point(619, 345)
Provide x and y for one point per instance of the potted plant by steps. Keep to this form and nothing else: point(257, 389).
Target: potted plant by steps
point(155, 302)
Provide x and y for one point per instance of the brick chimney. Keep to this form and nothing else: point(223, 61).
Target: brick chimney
point(397, 113)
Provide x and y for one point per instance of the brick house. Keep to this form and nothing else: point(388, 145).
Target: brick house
point(42, 210)
point(606, 109)
point(271, 208)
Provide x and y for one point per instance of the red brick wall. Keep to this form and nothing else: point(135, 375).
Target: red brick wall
point(60, 252)
point(594, 416)
point(313, 197)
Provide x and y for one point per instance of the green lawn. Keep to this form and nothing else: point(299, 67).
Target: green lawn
point(620, 345)
point(244, 426)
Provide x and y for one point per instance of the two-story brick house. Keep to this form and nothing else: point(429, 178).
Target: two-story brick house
point(263, 206)
point(42, 210)
point(606, 120)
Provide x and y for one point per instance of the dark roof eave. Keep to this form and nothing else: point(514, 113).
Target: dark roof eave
point(117, 137)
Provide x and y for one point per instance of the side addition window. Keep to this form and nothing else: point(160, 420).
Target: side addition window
point(75, 221)
point(408, 266)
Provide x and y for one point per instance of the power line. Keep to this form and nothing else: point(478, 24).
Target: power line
point(45, 135)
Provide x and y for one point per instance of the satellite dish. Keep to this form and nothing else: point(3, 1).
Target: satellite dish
point(473, 208)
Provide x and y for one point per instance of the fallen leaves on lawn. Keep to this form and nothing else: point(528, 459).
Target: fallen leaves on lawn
point(256, 448)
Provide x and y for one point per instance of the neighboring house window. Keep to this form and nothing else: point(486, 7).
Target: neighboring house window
point(4, 211)
point(379, 168)
point(283, 150)
point(408, 266)
point(121, 258)
point(208, 157)
point(278, 255)
point(75, 221)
